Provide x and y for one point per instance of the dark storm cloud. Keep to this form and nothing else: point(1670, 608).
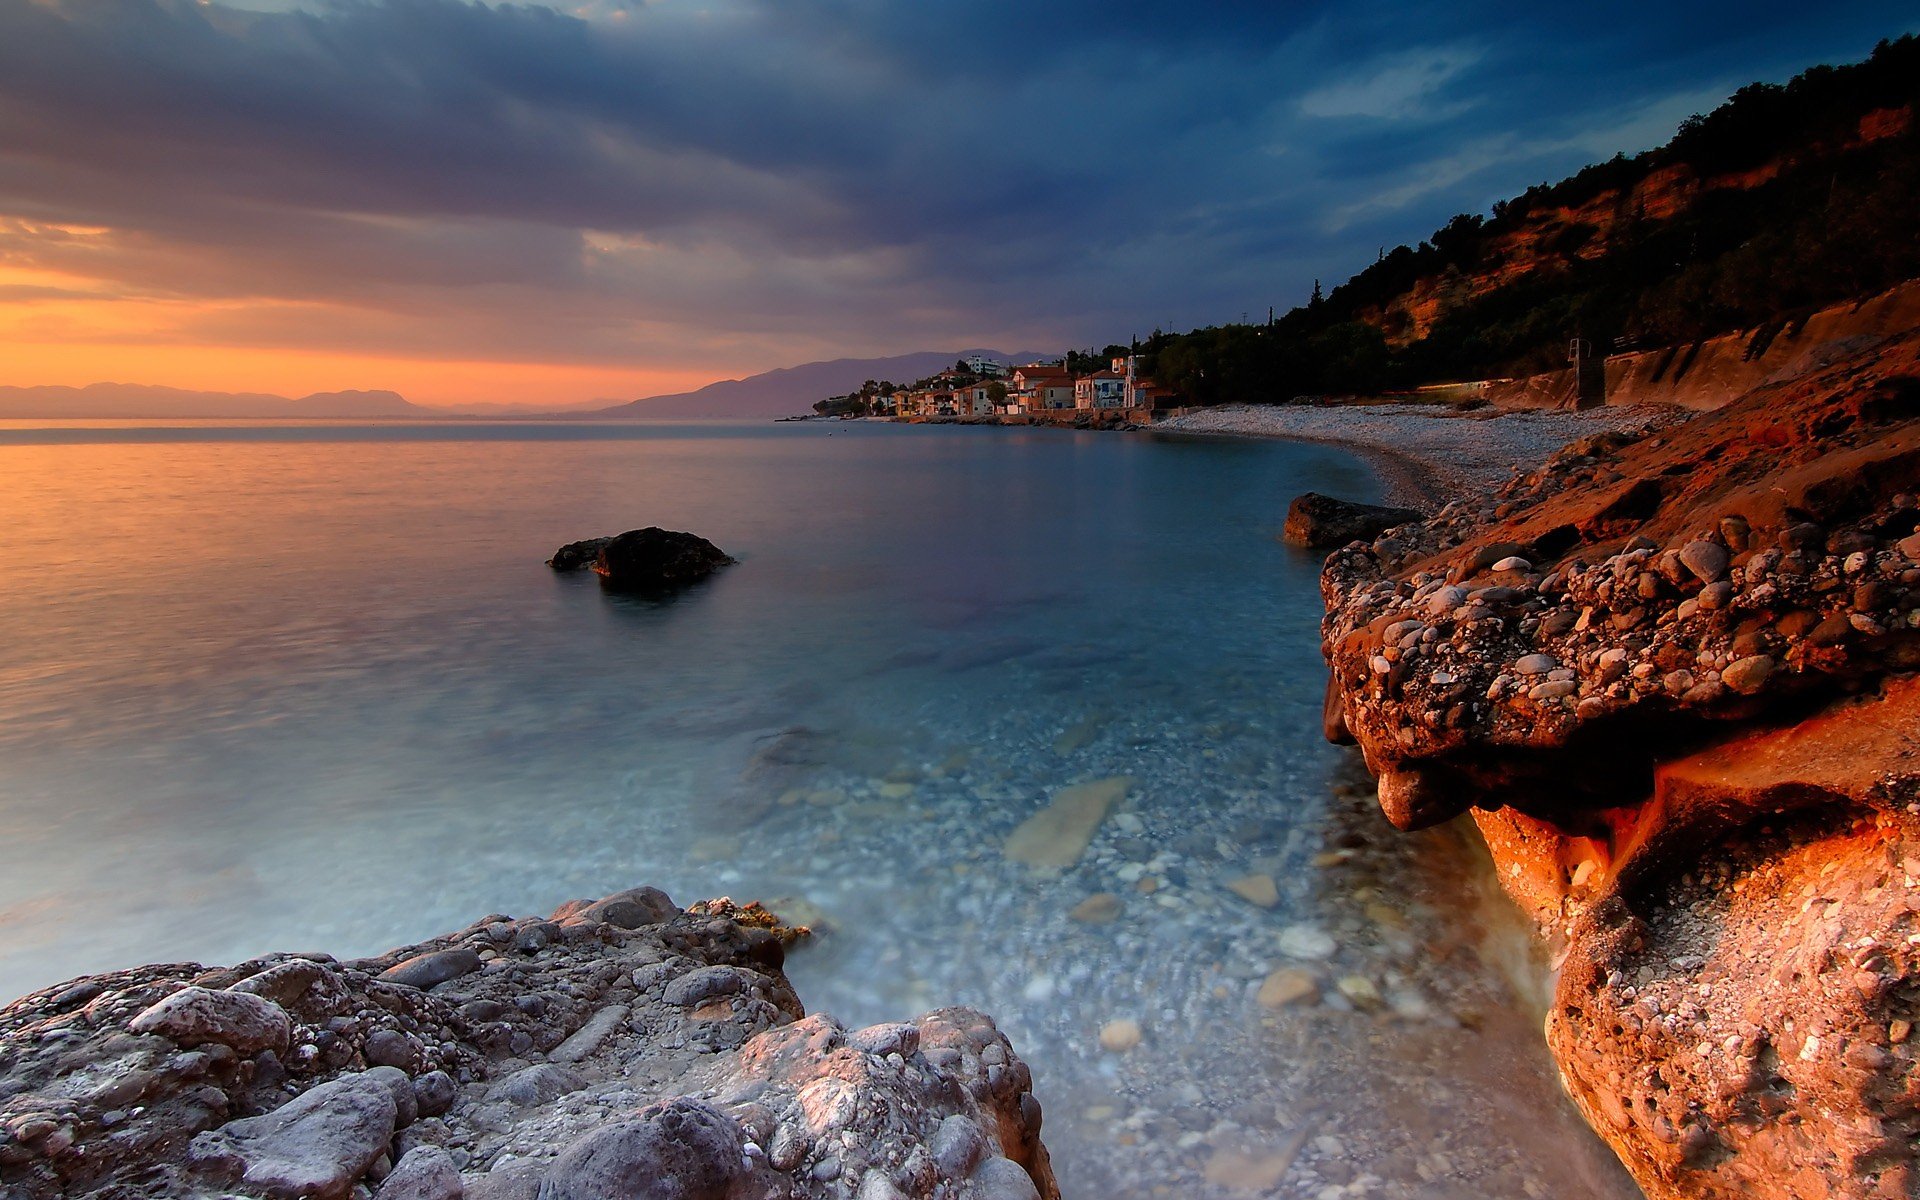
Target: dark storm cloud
point(828, 172)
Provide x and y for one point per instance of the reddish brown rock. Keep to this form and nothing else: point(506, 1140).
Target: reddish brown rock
point(1688, 727)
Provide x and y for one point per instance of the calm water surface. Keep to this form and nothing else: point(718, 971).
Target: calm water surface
point(310, 686)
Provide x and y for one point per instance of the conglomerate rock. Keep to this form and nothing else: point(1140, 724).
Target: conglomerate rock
point(1671, 674)
point(620, 1048)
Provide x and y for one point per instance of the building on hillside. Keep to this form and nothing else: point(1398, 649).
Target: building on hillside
point(984, 367)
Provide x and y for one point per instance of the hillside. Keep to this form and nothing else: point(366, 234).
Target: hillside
point(1786, 198)
point(130, 401)
point(792, 390)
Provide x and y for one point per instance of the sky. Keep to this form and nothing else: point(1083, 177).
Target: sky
point(471, 203)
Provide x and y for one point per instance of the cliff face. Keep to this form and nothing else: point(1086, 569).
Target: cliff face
point(1552, 237)
point(1715, 372)
point(1671, 675)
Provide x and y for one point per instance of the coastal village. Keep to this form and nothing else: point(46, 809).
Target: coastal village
point(979, 388)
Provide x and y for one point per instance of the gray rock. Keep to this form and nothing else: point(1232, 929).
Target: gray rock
point(957, 1146)
point(195, 1016)
point(588, 1037)
point(681, 1149)
point(536, 1085)
point(434, 1093)
point(428, 970)
point(705, 983)
point(518, 1180)
point(285, 983)
point(631, 909)
point(897, 1038)
point(316, 1145)
point(1707, 560)
point(391, 1048)
point(1001, 1179)
point(423, 1173)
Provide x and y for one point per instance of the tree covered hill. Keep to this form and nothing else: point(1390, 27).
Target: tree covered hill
point(1786, 198)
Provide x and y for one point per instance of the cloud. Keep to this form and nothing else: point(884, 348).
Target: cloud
point(1400, 86)
point(744, 183)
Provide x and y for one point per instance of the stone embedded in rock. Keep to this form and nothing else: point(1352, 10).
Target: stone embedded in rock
point(1318, 522)
point(433, 968)
point(630, 909)
point(423, 1173)
point(1748, 675)
point(655, 560)
point(195, 1016)
point(898, 1037)
point(316, 1145)
point(999, 1178)
point(680, 1149)
point(705, 983)
point(1058, 834)
point(1707, 560)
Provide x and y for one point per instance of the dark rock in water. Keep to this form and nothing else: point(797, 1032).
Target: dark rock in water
point(1317, 522)
point(657, 560)
point(575, 555)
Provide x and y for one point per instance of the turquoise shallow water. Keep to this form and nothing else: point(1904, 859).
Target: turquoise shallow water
point(310, 686)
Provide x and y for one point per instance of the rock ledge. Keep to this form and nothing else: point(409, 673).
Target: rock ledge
point(619, 1048)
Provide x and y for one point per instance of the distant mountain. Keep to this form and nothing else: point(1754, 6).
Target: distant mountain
point(139, 401)
point(792, 390)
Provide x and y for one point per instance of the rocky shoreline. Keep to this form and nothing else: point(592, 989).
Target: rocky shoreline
point(1670, 673)
point(623, 1047)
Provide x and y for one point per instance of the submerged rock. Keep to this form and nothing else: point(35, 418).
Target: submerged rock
point(629, 1049)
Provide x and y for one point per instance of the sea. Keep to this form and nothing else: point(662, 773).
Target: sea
point(310, 686)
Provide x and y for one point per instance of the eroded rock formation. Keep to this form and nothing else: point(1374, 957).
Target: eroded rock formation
point(1671, 675)
point(621, 1048)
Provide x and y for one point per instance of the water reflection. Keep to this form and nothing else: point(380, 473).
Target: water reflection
point(309, 686)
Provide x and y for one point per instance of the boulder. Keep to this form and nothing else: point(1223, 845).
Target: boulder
point(681, 1149)
point(195, 1016)
point(656, 561)
point(316, 1145)
point(423, 1173)
point(433, 968)
point(1318, 522)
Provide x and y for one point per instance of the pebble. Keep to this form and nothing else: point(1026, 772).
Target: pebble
point(1306, 942)
point(1100, 908)
point(1259, 890)
point(1287, 986)
point(1120, 1035)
